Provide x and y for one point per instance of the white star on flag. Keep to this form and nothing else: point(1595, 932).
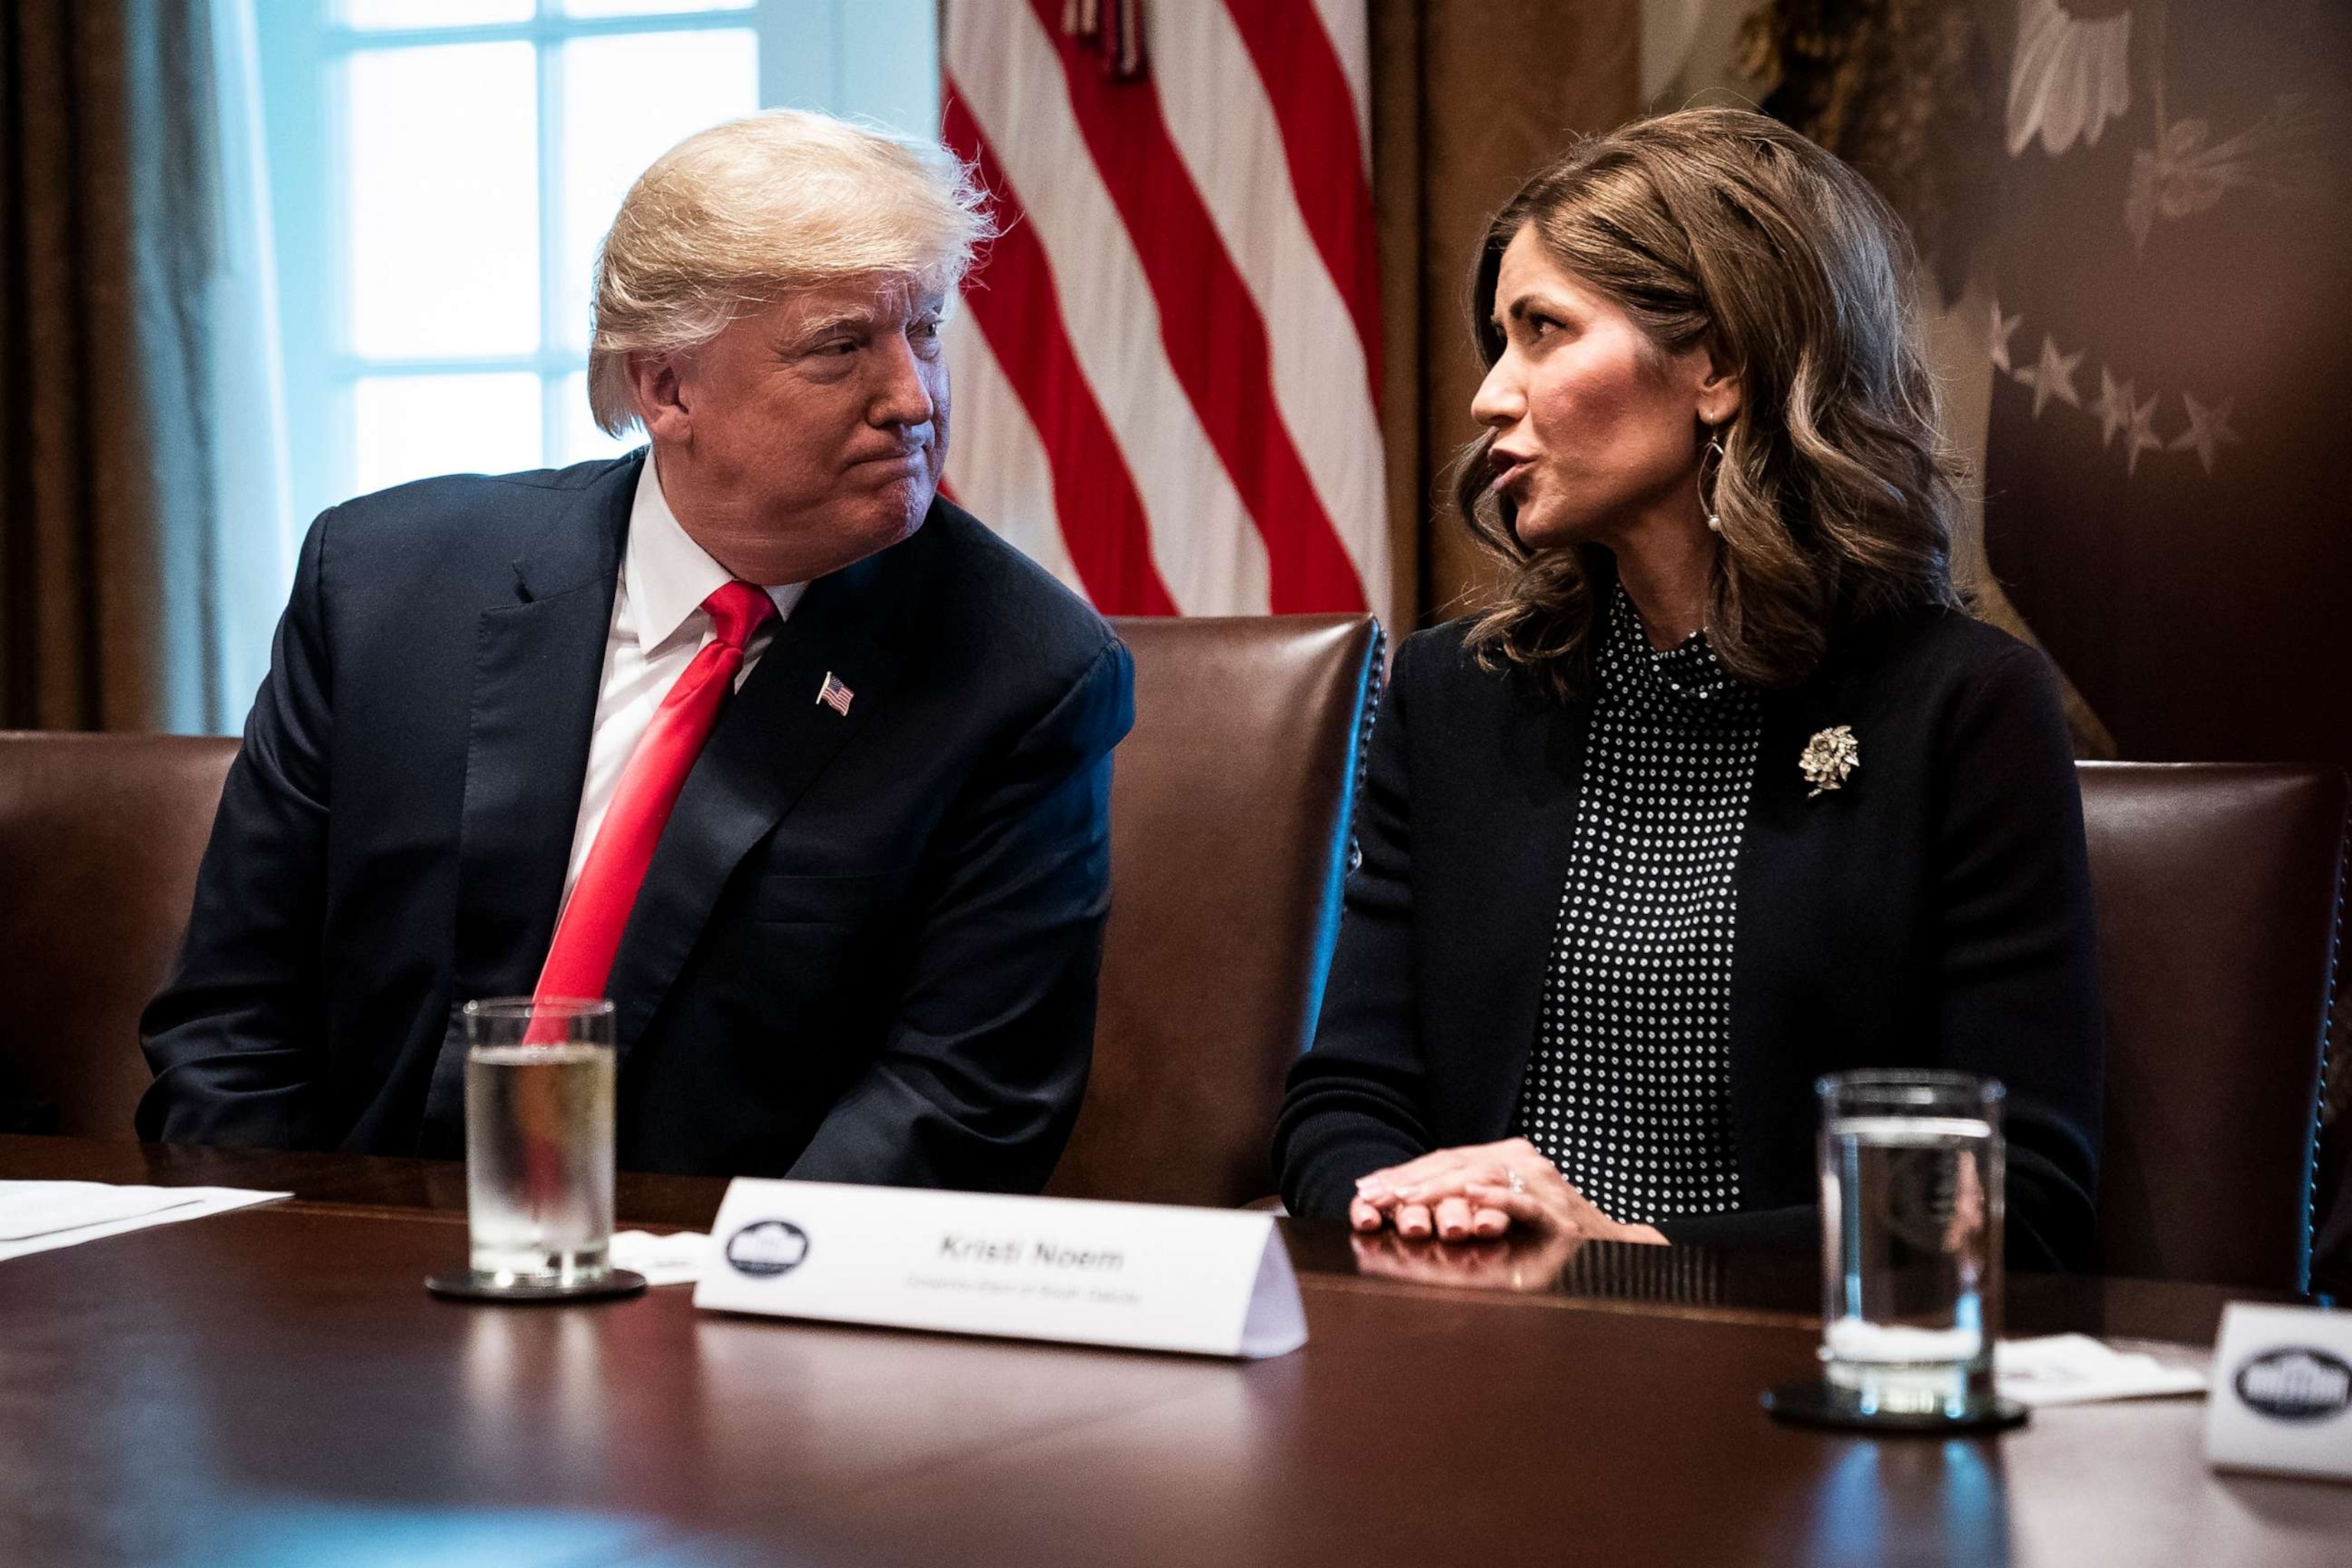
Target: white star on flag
point(2114, 407)
point(2142, 437)
point(2003, 328)
point(2054, 376)
point(2208, 430)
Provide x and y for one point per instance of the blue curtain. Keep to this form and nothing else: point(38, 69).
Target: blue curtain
point(251, 515)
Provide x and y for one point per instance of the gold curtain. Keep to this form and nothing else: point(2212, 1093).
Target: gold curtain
point(105, 228)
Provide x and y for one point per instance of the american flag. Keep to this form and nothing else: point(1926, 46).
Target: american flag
point(1167, 370)
point(834, 695)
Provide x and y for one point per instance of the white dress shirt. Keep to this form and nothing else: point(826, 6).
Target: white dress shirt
point(658, 626)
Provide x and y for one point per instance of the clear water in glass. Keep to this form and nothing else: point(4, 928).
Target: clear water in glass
point(1911, 1178)
point(538, 1162)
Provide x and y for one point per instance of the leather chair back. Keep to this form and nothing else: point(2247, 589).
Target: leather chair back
point(99, 837)
point(2217, 890)
point(1229, 810)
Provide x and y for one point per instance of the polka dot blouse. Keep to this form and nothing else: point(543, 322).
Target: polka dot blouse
point(1628, 1085)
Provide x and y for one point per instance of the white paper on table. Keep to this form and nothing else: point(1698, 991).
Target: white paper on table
point(36, 1217)
point(678, 1258)
point(2076, 1369)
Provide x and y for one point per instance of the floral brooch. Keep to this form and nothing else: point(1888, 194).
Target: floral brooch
point(1831, 756)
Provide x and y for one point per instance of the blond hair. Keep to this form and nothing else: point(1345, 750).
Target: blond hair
point(1837, 488)
point(732, 217)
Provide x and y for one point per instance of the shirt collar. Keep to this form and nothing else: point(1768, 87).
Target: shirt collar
point(666, 574)
point(1687, 676)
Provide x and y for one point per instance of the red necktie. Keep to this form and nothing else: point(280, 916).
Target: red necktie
point(589, 934)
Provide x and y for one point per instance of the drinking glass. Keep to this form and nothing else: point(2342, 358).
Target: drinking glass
point(538, 1141)
point(1911, 1172)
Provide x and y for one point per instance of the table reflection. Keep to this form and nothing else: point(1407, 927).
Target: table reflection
point(1514, 1262)
point(538, 1374)
point(1911, 1501)
point(1556, 1265)
point(268, 1531)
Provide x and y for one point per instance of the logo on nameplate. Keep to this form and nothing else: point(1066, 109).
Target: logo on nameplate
point(834, 695)
point(767, 1248)
point(2296, 1384)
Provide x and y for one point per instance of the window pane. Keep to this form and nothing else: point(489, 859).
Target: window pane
point(442, 196)
point(432, 13)
point(649, 7)
point(627, 100)
point(413, 427)
point(889, 64)
point(580, 438)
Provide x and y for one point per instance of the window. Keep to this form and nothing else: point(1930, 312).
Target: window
point(441, 172)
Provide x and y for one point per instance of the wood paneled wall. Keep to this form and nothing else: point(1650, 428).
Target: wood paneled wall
point(1469, 96)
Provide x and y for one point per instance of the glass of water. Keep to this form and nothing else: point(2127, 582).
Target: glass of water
point(538, 1141)
point(1911, 1169)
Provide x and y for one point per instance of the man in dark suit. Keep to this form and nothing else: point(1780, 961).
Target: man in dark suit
point(801, 765)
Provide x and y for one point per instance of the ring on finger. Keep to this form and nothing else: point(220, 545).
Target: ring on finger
point(1519, 1182)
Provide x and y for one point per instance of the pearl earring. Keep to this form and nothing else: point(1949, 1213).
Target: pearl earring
point(1706, 501)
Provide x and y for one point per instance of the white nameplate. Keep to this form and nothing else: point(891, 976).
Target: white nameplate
point(1209, 1281)
point(2281, 1398)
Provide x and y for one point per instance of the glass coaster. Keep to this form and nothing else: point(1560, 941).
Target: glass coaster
point(1811, 1402)
point(466, 1285)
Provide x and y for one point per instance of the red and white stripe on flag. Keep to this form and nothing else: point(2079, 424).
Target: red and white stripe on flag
point(1166, 372)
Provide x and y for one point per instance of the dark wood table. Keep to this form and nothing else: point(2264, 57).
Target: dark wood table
point(273, 1386)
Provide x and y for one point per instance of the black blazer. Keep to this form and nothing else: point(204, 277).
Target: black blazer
point(865, 952)
point(1934, 912)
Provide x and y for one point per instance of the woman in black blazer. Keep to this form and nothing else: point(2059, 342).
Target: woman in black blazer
point(1729, 792)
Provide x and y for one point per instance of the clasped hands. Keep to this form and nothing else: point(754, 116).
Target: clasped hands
point(1483, 1191)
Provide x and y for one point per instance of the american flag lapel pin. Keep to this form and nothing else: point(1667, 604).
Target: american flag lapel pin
point(833, 694)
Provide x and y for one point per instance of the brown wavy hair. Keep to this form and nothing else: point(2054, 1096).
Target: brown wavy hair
point(1837, 488)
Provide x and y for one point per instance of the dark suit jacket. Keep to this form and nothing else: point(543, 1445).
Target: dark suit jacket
point(1934, 912)
point(865, 952)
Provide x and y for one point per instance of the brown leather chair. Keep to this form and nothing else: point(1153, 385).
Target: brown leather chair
point(1230, 805)
point(99, 837)
point(2217, 889)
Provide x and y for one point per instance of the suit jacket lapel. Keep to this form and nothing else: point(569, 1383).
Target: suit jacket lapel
point(1777, 933)
point(538, 661)
point(771, 743)
point(1532, 833)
